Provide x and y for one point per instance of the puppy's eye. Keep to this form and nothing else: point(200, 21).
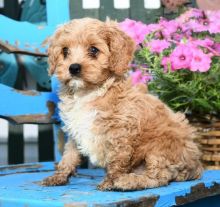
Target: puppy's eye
point(65, 51)
point(93, 51)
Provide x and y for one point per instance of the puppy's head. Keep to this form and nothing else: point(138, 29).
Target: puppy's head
point(86, 52)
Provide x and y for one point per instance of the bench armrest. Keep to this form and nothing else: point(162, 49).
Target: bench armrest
point(29, 38)
point(28, 106)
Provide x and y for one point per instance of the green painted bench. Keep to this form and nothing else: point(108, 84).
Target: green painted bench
point(19, 184)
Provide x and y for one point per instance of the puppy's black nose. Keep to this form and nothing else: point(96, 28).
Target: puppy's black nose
point(75, 69)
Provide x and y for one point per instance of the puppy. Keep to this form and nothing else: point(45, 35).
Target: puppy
point(138, 139)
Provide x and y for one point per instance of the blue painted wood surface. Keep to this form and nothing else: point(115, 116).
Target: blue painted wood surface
point(28, 39)
point(15, 103)
point(20, 188)
point(57, 12)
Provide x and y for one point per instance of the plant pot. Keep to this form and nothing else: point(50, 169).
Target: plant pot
point(209, 141)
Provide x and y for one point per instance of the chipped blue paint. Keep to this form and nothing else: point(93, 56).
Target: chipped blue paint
point(31, 41)
point(24, 168)
point(82, 189)
point(183, 188)
point(14, 103)
point(29, 37)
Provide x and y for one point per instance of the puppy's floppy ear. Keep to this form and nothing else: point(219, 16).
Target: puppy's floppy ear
point(53, 54)
point(121, 47)
point(53, 51)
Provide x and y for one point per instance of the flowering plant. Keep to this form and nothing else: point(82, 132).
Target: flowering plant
point(183, 58)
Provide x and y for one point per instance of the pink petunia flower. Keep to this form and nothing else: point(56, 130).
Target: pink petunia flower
point(200, 25)
point(181, 57)
point(213, 15)
point(154, 27)
point(214, 19)
point(207, 42)
point(136, 30)
point(214, 27)
point(169, 27)
point(191, 13)
point(200, 61)
point(139, 77)
point(216, 47)
point(158, 46)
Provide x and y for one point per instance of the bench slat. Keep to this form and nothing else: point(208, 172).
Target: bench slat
point(29, 38)
point(24, 180)
point(27, 106)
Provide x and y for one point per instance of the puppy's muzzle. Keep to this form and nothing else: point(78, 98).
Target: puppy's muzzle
point(75, 69)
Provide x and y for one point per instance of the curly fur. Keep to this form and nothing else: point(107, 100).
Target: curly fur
point(137, 138)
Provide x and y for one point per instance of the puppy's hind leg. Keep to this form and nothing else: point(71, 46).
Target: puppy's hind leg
point(118, 164)
point(133, 181)
point(66, 166)
point(152, 175)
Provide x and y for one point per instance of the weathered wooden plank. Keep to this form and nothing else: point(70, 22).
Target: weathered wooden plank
point(138, 12)
point(4, 152)
point(46, 141)
point(25, 168)
point(29, 38)
point(148, 4)
point(107, 10)
point(15, 144)
point(77, 11)
point(81, 191)
point(27, 106)
point(199, 191)
point(211, 157)
point(210, 141)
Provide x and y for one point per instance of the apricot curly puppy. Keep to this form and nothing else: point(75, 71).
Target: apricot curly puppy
point(139, 140)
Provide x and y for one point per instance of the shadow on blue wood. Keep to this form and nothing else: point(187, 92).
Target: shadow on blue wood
point(213, 201)
point(37, 67)
point(81, 191)
point(8, 69)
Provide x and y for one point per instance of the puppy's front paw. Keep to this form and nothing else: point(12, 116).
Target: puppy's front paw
point(55, 180)
point(105, 185)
